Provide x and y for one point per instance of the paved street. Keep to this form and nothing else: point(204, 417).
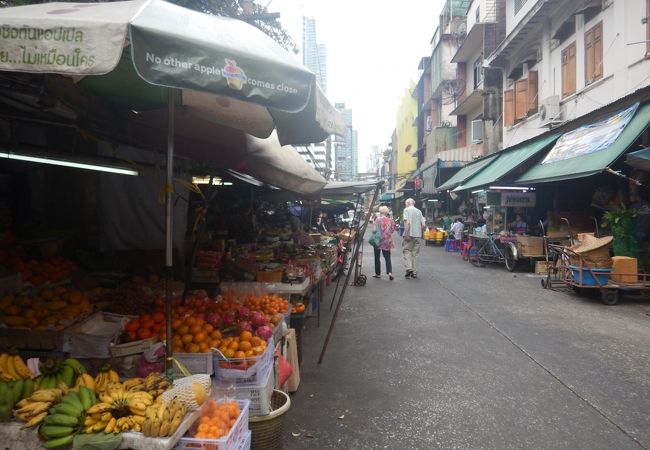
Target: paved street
point(469, 358)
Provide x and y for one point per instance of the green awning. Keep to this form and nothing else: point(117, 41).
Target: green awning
point(466, 172)
point(589, 163)
point(508, 160)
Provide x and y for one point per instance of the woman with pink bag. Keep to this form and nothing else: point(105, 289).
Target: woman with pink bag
point(386, 226)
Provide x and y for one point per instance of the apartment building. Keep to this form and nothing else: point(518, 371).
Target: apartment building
point(560, 60)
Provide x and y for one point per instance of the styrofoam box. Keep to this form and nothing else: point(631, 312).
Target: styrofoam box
point(195, 363)
point(255, 374)
point(259, 395)
point(232, 441)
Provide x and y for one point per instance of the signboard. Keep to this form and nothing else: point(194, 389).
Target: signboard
point(518, 199)
point(481, 197)
point(590, 138)
point(429, 179)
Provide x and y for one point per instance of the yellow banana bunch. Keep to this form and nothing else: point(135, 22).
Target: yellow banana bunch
point(32, 413)
point(85, 379)
point(7, 368)
point(163, 420)
point(134, 384)
point(21, 368)
point(156, 384)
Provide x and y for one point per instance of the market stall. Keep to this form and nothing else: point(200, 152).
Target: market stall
point(61, 298)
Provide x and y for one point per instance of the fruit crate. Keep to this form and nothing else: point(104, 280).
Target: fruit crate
point(258, 395)
point(232, 441)
point(195, 363)
point(232, 370)
point(131, 348)
point(137, 441)
point(245, 444)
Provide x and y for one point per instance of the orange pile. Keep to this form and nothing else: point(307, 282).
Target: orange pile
point(147, 326)
point(217, 418)
point(268, 304)
point(194, 335)
point(246, 347)
point(38, 272)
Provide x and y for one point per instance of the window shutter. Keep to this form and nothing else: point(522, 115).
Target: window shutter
point(589, 56)
point(532, 92)
point(508, 108)
point(569, 70)
point(597, 33)
point(521, 99)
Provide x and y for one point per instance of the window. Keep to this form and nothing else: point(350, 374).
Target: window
point(478, 72)
point(518, 5)
point(594, 54)
point(569, 70)
point(477, 131)
point(520, 102)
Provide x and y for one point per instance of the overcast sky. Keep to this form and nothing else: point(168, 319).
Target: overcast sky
point(373, 49)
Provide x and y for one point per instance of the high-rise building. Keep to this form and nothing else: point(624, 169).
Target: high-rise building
point(372, 161)
point(346, 152)
point(314, 55)
point(316, 156)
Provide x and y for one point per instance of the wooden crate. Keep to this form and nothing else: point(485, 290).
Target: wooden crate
point(541, 267)
point(530, 245)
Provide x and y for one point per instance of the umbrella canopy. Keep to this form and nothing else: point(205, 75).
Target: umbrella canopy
point(639, 159)
point(253, 83)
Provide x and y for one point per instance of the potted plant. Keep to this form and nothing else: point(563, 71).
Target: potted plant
point(622, 221)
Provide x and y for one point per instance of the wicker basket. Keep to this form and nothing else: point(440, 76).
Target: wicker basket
point(594, 252)
point(267, 430)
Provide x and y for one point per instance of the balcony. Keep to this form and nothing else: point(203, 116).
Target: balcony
point(472, 102)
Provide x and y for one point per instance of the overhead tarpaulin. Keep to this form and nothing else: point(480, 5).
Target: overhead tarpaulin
point(282, 167)
point(639, 159)
point(508, 160)
point(466, 172)
point(338, 189)
point(228, 71)
point(590, 149)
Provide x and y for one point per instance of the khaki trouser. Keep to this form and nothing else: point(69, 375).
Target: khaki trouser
point(411, 250)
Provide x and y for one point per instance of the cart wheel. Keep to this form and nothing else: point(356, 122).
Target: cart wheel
point(361, 280)
point(609, 297)
point(544, 283)
point(509, 259)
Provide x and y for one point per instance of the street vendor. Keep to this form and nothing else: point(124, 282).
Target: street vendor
point(299, 235)
point(519, 226)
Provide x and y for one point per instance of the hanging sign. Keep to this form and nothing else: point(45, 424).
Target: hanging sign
point(518, 199)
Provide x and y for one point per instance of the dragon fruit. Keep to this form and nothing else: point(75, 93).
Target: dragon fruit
point(214, 319)
point(265, 332)
point(229, 319)
point(258, 319)
point(244, 313)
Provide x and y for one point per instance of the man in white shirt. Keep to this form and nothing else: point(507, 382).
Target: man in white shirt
point(457, 229)
point(413, 226)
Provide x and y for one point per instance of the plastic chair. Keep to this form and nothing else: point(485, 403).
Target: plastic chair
point(450, 245)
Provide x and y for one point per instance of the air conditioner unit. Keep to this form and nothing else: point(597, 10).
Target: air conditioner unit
point(477, 131)
point(550, 112)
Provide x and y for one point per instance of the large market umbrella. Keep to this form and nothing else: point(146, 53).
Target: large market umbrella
point(171, 47)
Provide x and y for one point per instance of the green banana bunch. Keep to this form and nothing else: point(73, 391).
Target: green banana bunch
point(66, 418)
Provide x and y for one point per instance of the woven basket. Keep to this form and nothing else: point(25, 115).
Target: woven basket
point(594, 251)
point(267, 430)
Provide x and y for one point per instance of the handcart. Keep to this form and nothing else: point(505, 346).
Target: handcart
point(571, 270)
point(434, 237)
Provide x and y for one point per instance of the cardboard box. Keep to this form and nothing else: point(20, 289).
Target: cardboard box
point(624, 270)
point(541, 267)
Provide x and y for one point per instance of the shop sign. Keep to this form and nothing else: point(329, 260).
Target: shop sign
point(481, 197)
point(590, 138)
point(518, 199)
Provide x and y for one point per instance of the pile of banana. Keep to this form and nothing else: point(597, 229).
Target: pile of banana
point(33, 406)
point(13, 368)
point(118, 410)
point(65, 419)
point(156, 384)
point(105, 376)
point(163, 420)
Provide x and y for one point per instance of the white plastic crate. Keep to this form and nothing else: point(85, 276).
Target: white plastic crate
point(245, 444)
point(195, 363)
point(258, 395)
point(234, 373)
point(232, 441)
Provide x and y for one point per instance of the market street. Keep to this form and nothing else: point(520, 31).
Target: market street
point(468, 357)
